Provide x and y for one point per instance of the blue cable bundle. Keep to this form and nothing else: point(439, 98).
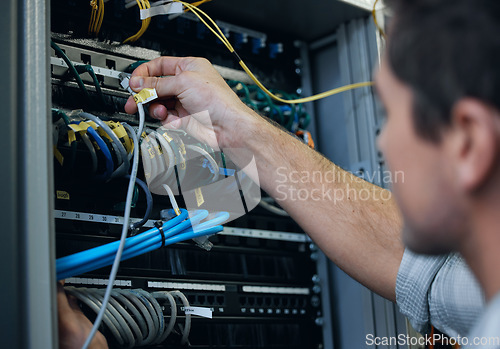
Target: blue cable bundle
point(175, 230)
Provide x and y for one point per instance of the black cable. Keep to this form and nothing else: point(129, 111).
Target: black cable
point(149, 203)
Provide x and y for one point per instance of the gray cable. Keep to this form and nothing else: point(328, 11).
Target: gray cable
point(173, 312)
point(156, 313)
point(187, 324)
point(113, 315)
point(140, 327)
point(92, 305)
point(130, 131)
point(126, 219)
point(121, 153)
point(91, 148)
point(148, 334)
point(114, 310)
point(131, 323)
point(153, 330)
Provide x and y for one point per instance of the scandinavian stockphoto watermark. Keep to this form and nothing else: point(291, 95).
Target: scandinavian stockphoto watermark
point(432, 340)
point(333, 185)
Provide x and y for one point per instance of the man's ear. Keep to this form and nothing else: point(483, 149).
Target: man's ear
point(475, 137)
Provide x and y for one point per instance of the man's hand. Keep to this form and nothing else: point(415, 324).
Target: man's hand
point(74, 327)
point(187, 86)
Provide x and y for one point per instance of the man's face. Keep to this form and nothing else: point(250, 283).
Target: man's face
point(426, 193)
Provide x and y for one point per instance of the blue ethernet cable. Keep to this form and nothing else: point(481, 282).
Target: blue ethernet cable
point(176, 230)
point(107, 154)
point(143, 248)
point(87, 256)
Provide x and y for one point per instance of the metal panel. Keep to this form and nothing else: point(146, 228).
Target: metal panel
point(26, 252)
point(11, 299)
point(307, 84)
point(326, 304)
point(357, 311)
point(331, 136)
point(36, 228)
point(297, 19)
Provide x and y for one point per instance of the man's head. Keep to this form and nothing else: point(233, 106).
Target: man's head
point(440, 83)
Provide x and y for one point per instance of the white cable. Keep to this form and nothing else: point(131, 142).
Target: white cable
point(172, 199)
point(168, 152)
point(207, 156)
point(126, 218)
point(272, 208)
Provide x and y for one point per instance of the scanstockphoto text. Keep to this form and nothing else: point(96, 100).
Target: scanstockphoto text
point(431, 340)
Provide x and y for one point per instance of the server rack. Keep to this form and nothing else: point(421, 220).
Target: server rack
point(32, 250)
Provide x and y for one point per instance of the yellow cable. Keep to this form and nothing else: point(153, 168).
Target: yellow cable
point(100, 17)
point(374, 15)
point(93, 4)
point(134, 37)
point(197, 3)
point(220, 36)
point(143, 4)
point(226, 42)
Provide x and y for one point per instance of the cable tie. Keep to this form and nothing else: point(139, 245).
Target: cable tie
point(159, 226)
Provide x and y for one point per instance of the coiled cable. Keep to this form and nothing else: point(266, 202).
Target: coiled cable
point(135, 317)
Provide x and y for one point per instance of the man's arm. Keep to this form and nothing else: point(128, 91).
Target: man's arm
point(355, 223)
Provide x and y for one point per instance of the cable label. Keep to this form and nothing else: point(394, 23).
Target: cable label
point(166, 9)
point(71, 136)
point(167, 137)
point(58, 156)
point(199, 311)
point(63, 195)
point(145, 96)
point(199, 197)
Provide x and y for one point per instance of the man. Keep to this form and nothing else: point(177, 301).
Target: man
point(440, 84)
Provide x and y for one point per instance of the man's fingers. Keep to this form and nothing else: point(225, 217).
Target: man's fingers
point(158, 111)
point(159, 67)
point(131, 106)
point(168, 86)
point(63, 305)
